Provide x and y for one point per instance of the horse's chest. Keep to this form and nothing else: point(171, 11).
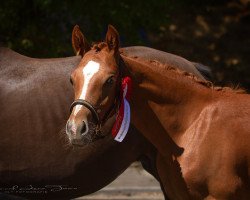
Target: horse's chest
point(194, 173)
point(195, 159)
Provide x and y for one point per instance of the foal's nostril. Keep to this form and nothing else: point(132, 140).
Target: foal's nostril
point(68, 126)
point(84, 128)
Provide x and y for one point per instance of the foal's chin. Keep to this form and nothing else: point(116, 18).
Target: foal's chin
point(81, 142)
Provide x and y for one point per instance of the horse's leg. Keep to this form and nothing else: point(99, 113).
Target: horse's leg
point(149, 164)
point(171, 179)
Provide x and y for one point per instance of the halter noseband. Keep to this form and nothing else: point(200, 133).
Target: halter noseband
point(94, 113)
point(87, 105)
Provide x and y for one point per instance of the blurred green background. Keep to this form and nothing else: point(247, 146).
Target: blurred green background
point(213, 32)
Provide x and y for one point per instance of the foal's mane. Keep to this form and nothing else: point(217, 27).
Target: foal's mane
point(98, 46)
point(196, 79)
point(101, 45)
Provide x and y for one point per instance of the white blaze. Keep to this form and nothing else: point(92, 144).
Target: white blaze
point(88, 72)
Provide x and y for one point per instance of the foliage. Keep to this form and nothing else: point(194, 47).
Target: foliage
point(43, 27)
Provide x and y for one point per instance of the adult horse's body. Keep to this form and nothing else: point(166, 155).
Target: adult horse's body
point(172, 109)
point(34, 98)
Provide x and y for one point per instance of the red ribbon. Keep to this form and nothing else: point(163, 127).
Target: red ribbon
point(126, 87)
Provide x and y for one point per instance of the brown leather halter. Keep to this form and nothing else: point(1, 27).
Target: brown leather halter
point(94, 113)
point(88, 105)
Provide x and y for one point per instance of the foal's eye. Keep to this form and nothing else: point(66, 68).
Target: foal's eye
point(71, 81)
point(110, 81)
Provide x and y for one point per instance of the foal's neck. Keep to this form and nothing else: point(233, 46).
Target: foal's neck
point(175, 99)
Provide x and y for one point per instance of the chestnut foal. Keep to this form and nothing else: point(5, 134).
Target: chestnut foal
point(174, 110)
point(97, 86)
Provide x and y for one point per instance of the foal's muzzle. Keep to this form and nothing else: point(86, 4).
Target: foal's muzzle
point(98, 121)
point(88, 106)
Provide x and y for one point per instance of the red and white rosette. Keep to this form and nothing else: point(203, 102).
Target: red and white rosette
point(121, 126)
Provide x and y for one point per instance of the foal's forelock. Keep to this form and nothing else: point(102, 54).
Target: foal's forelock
point(88, 72)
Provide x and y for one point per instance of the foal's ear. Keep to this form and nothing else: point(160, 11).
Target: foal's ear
point(112, 38)
point(79, 42)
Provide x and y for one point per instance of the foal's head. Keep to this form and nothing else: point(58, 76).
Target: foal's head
point(96, 83)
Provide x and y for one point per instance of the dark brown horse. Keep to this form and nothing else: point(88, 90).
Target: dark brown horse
point(33, 115)
point(172, 109)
